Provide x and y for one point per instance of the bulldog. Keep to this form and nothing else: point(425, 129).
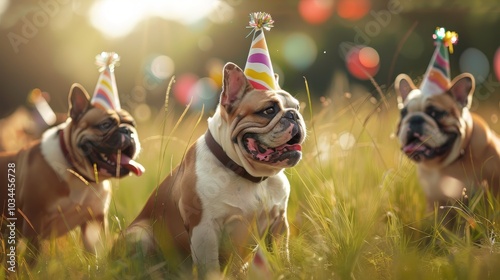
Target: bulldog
point(61, 181)
point(455, 150)
point(230, 189)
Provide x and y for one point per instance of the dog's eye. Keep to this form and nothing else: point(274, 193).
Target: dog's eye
point(105, 125)
point(435, 113)
point(269, 111)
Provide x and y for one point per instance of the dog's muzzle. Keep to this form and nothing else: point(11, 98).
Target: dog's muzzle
point(289, 151)
point(417, 146)
point(115, 154)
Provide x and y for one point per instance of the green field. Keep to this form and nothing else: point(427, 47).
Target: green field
point(356, 210)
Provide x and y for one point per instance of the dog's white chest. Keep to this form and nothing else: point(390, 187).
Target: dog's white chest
point(225, 195)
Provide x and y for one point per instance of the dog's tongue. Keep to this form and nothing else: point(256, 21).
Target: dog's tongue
point(413, 147)
point(131, 165)
point(291, 147)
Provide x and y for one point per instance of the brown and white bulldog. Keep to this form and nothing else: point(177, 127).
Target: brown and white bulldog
point(230, 189)
point(61, 181)
point(455, 150)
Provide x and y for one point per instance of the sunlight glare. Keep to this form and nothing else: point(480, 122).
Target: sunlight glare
point(4, 4)
point(117, 18)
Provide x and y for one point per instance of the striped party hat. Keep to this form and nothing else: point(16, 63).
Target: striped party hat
point(259, 69)
point(106, 94)
point(437, 77)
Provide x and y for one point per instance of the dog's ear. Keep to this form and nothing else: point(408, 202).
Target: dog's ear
point(462, 89)
point(277, 79)
point(235, 84)
point(403, 85)
point(78, 101)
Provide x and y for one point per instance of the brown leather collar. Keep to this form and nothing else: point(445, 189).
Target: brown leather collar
point(68, 157)
point(219, 153)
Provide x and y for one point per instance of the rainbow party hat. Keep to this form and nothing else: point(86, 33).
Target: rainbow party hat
point(258, 69)
point(437, 77)
point(106, 93)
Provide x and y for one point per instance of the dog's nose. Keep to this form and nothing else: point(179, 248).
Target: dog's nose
point(291, 115)
point(416, 120)
point(124, 130)
point(416, 123)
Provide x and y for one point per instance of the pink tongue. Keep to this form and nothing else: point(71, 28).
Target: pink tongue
point(294, 147)
point(413, 147)
point(131, 165)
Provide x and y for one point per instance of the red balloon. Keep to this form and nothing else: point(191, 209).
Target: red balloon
point(182, 88)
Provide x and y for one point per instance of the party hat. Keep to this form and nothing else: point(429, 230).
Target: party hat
point(437, 77)
point(258, 69)
point(106, 94)
point(43, 114)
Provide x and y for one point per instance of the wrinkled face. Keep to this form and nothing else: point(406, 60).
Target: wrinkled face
point(266, 125)
point(432, 127)
point(105, 141)
point(429, 127)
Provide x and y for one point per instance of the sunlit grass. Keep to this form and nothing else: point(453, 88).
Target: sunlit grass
point(356, 210)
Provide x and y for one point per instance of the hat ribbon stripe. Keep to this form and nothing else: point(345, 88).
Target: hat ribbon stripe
point(102, 97)
point(260, 76)
point(259, 58)
point(439, 79)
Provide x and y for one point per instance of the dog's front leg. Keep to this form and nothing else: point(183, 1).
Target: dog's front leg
point(205, 248)
point(280, 231)
point(92, 234)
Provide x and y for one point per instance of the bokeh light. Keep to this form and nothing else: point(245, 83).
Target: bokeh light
point(496, 63)
point(353, 9)
point(138, 94)
point(204, 93)
point(142, 112)
point(475, 62)
point(346, 140)
point(494, 118)
point(363, 62)
point(162, 67)
point(182, 88)
point(300, 50)
point(214, 69)
point(200, 92)
point(316, 11)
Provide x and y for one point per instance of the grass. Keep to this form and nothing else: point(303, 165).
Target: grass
point(356, 210)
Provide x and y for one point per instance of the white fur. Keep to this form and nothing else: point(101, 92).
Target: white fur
point(51, 151)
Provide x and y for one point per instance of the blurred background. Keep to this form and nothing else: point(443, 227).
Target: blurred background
point(46, 45)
